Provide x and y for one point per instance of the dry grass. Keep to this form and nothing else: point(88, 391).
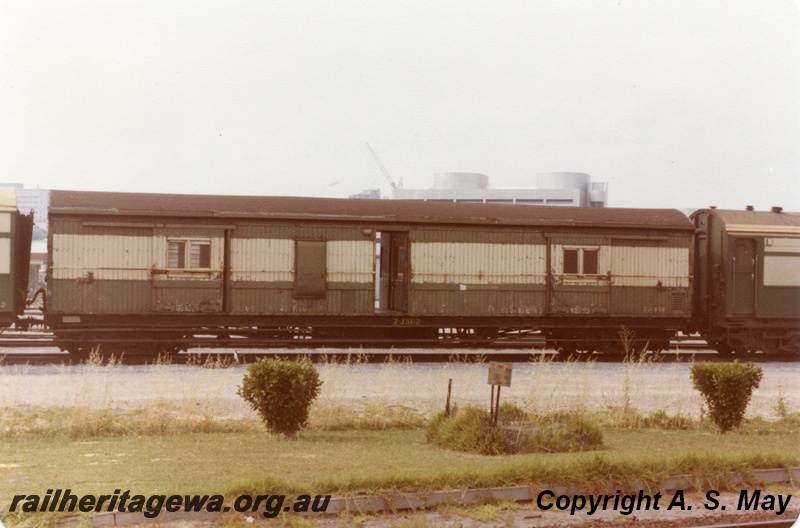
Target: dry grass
point(104, 395)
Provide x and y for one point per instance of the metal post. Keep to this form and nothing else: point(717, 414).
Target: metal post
point(491, 406)
point(447, 405)
point(497, 406)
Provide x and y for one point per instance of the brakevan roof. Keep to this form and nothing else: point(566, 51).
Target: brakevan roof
point(356, 210)
point(757, 222)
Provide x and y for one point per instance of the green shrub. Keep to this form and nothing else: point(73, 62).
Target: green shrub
point(726, 388)
point(471, 430)
point(281, 391)
point(662, 420)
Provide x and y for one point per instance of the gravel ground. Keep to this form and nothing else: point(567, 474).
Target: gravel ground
point(542, 386)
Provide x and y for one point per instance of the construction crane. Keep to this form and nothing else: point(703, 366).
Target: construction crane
point(385, 172)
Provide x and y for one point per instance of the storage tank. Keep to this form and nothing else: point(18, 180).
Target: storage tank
point(579, 181)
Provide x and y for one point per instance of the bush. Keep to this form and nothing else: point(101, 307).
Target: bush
point(726, 388)
point(281, 391)
point(471, 430)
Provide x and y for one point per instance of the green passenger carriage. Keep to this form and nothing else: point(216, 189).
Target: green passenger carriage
point(747, 280)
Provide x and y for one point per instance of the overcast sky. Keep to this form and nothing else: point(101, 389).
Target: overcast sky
point(675, 104)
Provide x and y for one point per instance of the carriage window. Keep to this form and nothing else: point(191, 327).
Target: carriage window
point(589, 262)
point(580, 261)
point(189, 254)
point(571, 261)
point(176, 254)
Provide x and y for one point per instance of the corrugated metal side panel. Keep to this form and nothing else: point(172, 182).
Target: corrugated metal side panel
point(262, 260)
point(495, 235)
point(638, 301)
point(647, 266)
point(188, 298)
point(292, 232)
point(262, 274)
point(580, 300)
point(426, 301)
point(478, 263)
point(648, 277)
point(108, 296)
point(107, 257)
point(100, 273)
point(351, 261)
point(480, 273)
point(263, 300)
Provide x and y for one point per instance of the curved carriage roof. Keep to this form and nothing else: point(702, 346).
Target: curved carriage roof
point(351, 210)
point(757, 222)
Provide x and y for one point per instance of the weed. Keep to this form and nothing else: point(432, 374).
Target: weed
point(472, 430)
point(781, 408)
point(211, 361)
point(96, 359)
point(87, 422)
point(375, 416)
point(163, 358)
point(467, 358)
point(391, 359)
point(660, 419)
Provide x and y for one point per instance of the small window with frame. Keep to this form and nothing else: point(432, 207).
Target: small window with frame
point(189, 253)
point(581, 260)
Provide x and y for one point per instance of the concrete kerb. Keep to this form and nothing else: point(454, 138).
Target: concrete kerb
point(396, 502)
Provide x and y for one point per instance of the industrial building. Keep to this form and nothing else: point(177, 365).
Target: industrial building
point(36, 200)
point(574, 189)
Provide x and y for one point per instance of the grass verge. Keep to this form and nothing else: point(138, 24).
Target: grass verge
point(368, 462)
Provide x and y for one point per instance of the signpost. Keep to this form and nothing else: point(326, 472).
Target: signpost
point(499, 376)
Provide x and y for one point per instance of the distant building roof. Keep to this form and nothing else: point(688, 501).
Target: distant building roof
point(553, 188)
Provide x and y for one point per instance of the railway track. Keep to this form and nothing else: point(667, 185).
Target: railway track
point(199, 356)
point(376, 350)
point(29, 339)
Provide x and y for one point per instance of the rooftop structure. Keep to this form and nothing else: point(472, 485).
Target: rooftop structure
point(35, 200)
point(574, 189)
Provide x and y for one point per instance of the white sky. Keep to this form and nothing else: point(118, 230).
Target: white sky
point(674, 103)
